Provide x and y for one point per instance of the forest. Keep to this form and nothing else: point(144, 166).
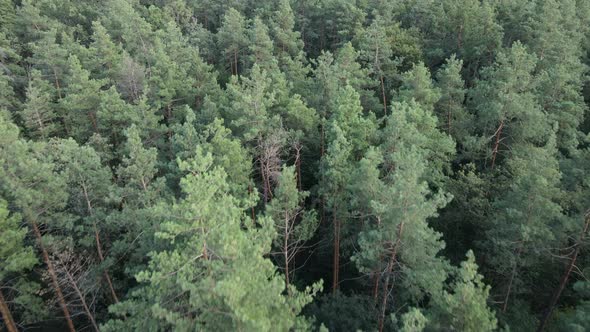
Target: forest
point(294, 165)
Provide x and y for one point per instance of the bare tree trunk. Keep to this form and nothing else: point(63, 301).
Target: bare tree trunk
point(512, 276)
point(236, 61)
point(383, 93)
point(497, 144)
point(449, 122)
point(6, 315)
point(263, 175)
point(99, 246)
point(57, 87)
point(82, 300)
point(565, 277)
point(54, 281)
point(376, 278)
point(252, 208)
point(336, 263)
point(298, 164)
point(386, 287)
point(286, 250)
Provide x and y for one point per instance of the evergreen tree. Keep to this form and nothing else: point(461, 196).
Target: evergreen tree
point(38, 113)
point(294, 225)
point(232, 38)
point(453, 118)
point(15, 258)
point(466, 309)
point(216, 258)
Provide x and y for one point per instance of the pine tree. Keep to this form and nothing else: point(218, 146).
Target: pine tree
point(232, 37)
point(15, 259)
point(294, 225)
point(34, 187)
point(216, 258)
point(452, 116)
point(38, 113)
point(507, 111)
point(89, 185)
point(104, 55)
point(416, 84)
point(525, 216)
point(400, 208)
point(465, 309)
point(80, 104)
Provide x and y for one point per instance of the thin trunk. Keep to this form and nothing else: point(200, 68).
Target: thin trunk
point(263, 175)
point(336, 263)
point(497, 144)
point(54, 281)
point(386, 287)
point(99, 245)
point(236, 60)
point(298, 165)
point(40, 123)
point(57, 87)
point(6, 315)
point(565, 277)
point(377, 273)
point(449, 121)
point(252, 208)
point(376, 277)
point(384, 98)
point(511, 281)
point(82, 300)
point(94, 122)
point(286, 250)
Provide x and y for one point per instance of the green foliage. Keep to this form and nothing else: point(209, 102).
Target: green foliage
point(216, 260)
point(200, 165)
point(466, 308)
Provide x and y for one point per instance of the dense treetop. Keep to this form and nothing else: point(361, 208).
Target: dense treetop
point(281, 165)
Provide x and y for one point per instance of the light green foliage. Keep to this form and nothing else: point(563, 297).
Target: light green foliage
point(138, 172)
point(507, 110)
point(232, 39)
point(216, 261)
point(518, 232)
point(452, 115)
point(418, 86)
point(413, 321)
point(38, 113)
point(16, 258)
point(15, 255)
point(465, 309)
point(293, 224)
point(400, 238)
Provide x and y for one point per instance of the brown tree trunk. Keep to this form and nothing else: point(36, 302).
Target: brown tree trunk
point(57, 87)
point(6, 315)
point(298, 165)
point(263, 175)
point(383, 94)
point(252, 208)
point(511, 281)
point(497, 143)
point(449, 122)
point(53, 275)
point(336, 263)
point(565, 277)
point(376, 278)
point(386, 286)
point(99, 246)
point(286, 250)
point(236, 60)
point(82, 300)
